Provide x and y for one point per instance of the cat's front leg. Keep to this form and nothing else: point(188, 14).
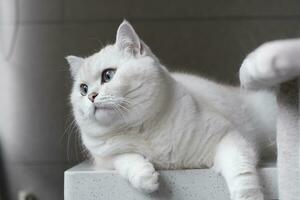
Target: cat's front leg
point(236, 160)
point(138, 171)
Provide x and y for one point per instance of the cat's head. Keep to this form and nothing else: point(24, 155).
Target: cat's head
point(120, 86)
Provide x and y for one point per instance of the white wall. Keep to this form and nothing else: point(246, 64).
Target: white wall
point(34, 99)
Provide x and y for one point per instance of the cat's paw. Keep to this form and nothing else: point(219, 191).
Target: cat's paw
point(247, 194)
point(145, 180)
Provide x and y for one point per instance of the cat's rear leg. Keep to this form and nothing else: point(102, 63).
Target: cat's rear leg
point(236, 160)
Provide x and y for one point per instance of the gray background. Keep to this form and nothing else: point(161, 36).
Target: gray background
point(208, 37)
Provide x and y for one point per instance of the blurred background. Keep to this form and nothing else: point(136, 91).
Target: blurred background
point(37, 142)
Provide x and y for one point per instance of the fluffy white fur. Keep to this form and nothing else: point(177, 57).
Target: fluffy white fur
point(271, 64)
point(147, 118)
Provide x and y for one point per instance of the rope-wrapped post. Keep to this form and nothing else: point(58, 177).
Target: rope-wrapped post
point(277, 65)
point(288, 140)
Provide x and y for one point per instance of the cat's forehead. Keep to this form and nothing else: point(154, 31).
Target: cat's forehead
point(108, 57)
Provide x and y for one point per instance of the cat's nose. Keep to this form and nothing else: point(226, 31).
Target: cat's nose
point(92, 96)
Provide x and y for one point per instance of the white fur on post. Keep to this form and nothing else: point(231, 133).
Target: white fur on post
point(270, 65)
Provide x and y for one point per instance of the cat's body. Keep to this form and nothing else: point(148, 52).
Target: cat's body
point(146, 114)
point(182, 131)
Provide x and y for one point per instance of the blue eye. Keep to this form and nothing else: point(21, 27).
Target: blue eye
point(107, 75)
point(83, 89)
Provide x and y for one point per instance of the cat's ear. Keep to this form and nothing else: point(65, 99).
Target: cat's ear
point(75, 63)
point(128, 40)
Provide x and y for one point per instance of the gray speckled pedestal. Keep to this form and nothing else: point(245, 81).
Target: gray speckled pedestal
point(82, 182)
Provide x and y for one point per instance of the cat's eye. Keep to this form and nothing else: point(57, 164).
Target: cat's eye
point(108, 74)
point(83, 89)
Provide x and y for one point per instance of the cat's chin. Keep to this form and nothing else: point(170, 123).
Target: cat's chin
point(105, 116)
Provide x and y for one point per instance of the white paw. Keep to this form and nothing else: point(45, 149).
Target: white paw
point(146, 179)
point(247, 194)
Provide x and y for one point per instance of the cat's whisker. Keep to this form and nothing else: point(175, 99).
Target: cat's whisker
point(120, 112)
point(123, 107)
point(126, 101)
point(73, 131)
point(133, 90)
point(69, 122)
point(141, 102)
point(80, 145)
point(71, 128)
point(68, 147)
point(133, 97)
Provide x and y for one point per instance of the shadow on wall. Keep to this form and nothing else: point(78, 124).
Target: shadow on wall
point(3, 178)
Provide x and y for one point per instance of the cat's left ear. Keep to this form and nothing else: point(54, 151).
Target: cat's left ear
point(128, 40)
point(75, 63)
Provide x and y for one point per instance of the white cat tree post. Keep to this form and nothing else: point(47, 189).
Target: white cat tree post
point(277, 65)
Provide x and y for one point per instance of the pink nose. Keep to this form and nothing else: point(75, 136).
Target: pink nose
point(92, 96)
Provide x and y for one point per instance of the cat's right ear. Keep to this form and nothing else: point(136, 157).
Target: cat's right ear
point(127, 39)
point(75, 63)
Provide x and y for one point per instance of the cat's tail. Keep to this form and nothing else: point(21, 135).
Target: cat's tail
point(277, 65)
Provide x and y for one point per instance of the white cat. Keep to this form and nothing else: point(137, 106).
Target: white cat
point(135, 116)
